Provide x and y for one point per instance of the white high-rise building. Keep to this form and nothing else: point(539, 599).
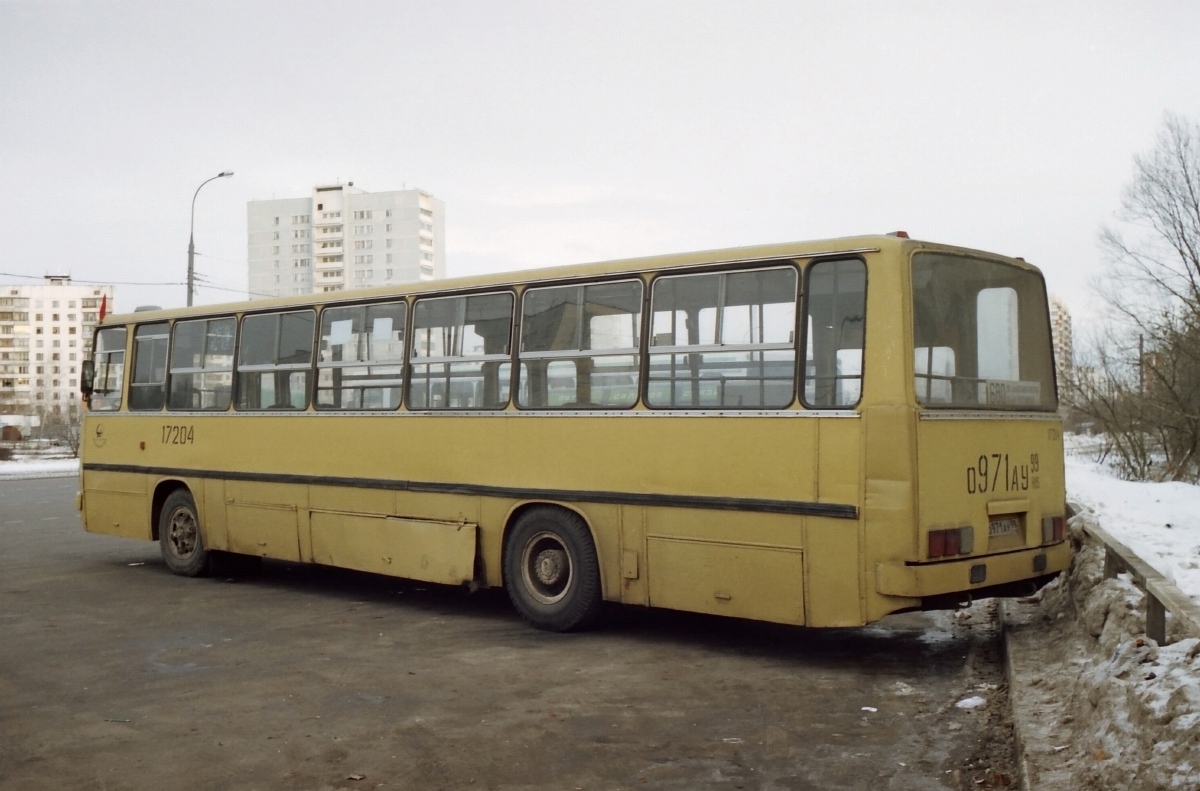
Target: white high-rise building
point(343, 238)
point(45, 335)
point(1064, 347)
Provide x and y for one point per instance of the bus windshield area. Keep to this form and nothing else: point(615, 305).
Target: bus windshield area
point(981, 335)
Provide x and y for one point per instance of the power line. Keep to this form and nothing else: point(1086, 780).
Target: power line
point(94, 282)
point(247, 292)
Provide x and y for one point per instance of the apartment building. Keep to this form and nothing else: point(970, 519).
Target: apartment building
point(341, 238)
point(1064, 346)
point(45, 335)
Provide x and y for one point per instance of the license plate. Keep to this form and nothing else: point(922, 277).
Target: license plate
point(1002, 527)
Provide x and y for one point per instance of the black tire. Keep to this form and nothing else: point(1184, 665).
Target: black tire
point(551, 570)
point(180, 537)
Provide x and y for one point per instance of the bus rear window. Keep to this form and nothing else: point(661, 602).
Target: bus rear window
point(981, 335)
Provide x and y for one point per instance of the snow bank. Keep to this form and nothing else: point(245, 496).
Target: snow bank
point(23, 468)
point(1158, 521)
point(1114, 710)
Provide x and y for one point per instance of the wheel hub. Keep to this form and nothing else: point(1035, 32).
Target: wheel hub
point(550, 565)
point(182, 536)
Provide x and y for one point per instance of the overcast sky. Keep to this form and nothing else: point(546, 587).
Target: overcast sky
point(561, 132)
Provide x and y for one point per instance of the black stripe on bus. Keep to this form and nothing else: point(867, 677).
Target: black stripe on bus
point(798, 508)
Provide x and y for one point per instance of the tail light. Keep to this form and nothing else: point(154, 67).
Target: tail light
point(937, 543)
point(1054, 529)
point(951, 541)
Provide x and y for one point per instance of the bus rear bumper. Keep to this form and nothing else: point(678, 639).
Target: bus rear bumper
point(977, 577)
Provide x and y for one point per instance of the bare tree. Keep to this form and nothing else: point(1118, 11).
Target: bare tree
point(63, 428)
point(1141, 385)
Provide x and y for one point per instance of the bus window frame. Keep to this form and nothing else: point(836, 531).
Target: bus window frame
point(582, 283)
point(796, 264)
point(802, 320)
point(403, 299)
point(982, 410)
point(410, 361)
point(192, 371)
point(254, 368)
point(166, 367)
point(122, 400)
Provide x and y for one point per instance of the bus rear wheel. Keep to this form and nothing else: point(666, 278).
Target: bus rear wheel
point(551, 570)
point(179, 536)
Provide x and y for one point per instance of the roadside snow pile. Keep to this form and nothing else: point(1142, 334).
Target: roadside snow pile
point(1110, 708)
point(1158, 521)
point(23, 468)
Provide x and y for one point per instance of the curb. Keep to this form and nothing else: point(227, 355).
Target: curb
point(1018, 735)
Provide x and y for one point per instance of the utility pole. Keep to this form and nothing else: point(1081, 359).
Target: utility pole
point(191, 279)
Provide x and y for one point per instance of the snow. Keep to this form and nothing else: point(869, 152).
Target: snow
point(972, 702)
point(1160, 522)
point(1105, 707)
point(26, 467)
point(1102, 707)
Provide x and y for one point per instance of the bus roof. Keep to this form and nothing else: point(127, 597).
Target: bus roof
point(822, 247)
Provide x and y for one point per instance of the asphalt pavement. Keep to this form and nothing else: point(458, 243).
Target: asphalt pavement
point(115, 674)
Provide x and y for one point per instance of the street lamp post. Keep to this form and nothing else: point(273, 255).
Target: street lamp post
point(191, 234)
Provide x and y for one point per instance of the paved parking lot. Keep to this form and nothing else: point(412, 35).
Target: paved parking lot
point(114, 674)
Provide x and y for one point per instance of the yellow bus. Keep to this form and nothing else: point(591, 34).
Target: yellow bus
point(817, 433)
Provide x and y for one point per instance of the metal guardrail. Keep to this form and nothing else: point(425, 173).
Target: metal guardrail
point(1162, 595)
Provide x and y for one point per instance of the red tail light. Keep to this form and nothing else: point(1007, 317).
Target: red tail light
point(952, 542)
point(937, 543)
point(1060, 528)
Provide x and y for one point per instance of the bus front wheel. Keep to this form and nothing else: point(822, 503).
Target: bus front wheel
point(179, 536)
point(551, 570)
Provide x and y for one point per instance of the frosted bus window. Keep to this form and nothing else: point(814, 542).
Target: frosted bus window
point(981, 334)
point(934, 368)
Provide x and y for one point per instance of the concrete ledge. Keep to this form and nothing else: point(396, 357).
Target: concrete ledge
point(1019, 735)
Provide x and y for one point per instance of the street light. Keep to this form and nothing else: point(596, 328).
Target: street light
point(191, 232)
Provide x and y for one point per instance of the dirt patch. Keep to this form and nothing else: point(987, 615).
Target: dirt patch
point(1103, 706)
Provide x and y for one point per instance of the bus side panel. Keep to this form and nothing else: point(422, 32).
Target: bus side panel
point(722, 579)
point(115, 503)
point(833, 560)
point(889, 502)
point(833, 581)
point(634, 589)
point(262, 518)
point(746, 565)
point(212, 513)
point(415, 549)
point(605, 523)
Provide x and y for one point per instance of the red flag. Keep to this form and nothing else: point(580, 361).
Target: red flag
point(103, 306)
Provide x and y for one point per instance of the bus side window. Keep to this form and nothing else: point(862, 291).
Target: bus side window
point(361, 363)
point(148, 384)
point(201, 364)
point(110, 370)
point(275, 360)
point(460, 352)
point(723, 340)
point(835, 320)
point(579, 346)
